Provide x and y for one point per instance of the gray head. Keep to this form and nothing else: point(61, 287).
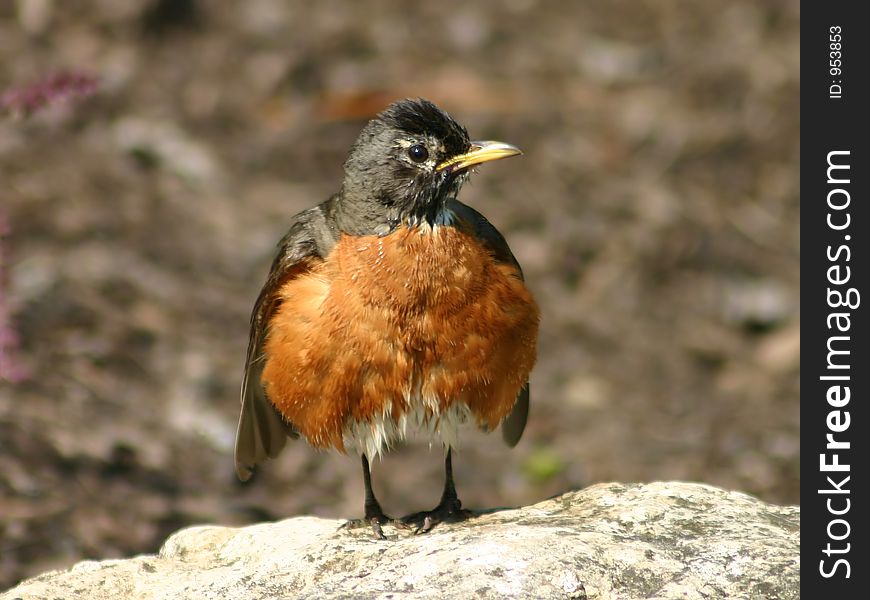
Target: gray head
point(406, 164)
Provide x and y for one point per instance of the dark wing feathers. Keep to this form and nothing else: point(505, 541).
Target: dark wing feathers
point(513, 426)
point(262, 431)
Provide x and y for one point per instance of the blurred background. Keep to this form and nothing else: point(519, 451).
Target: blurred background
point(153, 152)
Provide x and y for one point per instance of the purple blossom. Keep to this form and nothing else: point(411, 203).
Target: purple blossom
point(65, 85)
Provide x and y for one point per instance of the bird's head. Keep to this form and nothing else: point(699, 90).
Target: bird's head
point(406, 164)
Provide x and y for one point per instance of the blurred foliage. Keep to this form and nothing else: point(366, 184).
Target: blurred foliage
point(542, 465)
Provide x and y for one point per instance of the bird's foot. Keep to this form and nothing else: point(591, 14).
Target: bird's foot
point(449, 510)
point(374, 522)
point(374, 518)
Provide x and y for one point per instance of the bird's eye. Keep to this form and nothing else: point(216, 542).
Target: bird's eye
point(418, 153)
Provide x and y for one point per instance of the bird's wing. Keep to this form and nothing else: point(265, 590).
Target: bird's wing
point(262, 431)
point(513, 426)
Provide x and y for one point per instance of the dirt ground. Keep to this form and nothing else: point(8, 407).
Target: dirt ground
point(655, 212)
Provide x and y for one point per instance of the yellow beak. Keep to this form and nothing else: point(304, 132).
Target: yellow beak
point(480, 152)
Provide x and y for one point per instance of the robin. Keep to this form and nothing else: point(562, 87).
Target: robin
point(392, 305)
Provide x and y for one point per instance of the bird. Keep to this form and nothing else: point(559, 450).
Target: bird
point(391, 307)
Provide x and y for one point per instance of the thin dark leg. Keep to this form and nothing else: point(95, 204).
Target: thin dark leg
point(374, 514)
point(448, 510)
point(449, 497)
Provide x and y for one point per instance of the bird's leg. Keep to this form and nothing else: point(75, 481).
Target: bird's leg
point(449, 499)
point(449, 510)
point(374, 514)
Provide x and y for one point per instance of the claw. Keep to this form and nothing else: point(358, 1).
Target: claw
point(373, 522)
point(446, 512)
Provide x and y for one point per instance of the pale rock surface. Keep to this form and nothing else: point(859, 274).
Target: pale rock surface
point(609, 541)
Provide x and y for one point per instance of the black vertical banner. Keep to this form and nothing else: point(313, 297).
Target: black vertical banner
point(835, 299)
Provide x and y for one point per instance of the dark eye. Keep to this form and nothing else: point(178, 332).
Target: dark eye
point(418, 153)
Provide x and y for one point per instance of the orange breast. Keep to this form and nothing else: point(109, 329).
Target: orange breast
point(416, 320)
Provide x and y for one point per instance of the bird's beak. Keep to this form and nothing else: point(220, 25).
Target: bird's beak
point(480, 152)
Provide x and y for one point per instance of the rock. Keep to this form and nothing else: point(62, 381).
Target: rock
point(659, 540)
